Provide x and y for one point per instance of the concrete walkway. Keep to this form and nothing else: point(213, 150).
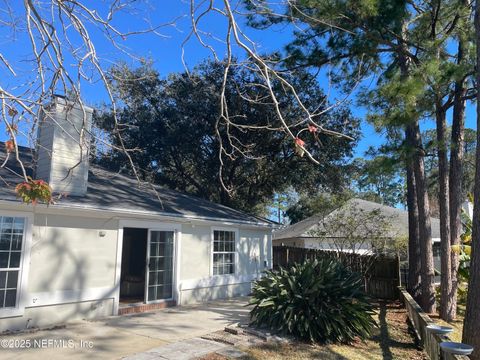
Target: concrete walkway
point(122, 336)
point(182, 350)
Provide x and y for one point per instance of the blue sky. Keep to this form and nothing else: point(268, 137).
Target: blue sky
point(165, 51)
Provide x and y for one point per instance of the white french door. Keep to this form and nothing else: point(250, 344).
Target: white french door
point(159, 269)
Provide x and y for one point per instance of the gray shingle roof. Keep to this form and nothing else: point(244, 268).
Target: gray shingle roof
point(303, 228)
point(116, 192)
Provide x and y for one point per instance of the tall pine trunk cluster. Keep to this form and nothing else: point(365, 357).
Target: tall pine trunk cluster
point(427, 271)
point(450, 189)
point(421, 269)
point(414, 279)
point(471, 324)
point(443, 199)
point(455, 185)
point(451, 192)
point(422, 52)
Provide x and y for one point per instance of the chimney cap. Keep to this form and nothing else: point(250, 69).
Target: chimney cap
point(63, 100)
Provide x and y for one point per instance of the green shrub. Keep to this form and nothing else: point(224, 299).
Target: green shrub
point(320, 301)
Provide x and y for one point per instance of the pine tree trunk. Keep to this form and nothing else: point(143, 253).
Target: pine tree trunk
point(427, 274)
point(414, 261)
point(446, 276)
point(414, 141)
point(471, 324)
point(456, 177)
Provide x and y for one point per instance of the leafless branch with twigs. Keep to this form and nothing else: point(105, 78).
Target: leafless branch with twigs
point(61, 39)
point(234, 41)
point(64, 38)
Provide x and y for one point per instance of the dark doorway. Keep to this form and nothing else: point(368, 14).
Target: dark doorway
point(134, 255)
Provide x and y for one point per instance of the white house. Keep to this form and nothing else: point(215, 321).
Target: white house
point(111, 246)
point(317, 232)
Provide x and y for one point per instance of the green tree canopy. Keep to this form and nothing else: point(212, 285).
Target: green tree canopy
point(379, 179)
point(321, 204)
point(174, 125)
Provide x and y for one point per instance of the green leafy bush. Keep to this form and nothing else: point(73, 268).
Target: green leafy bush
point(320, 301)
point(34, 191)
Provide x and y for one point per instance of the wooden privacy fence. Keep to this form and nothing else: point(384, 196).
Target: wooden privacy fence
point(380, 273)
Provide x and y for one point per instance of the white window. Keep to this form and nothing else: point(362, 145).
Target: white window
point(12, 233)
point(224, 252)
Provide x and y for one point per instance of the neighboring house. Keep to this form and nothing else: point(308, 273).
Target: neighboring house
point(113, 246)
point(321, 232)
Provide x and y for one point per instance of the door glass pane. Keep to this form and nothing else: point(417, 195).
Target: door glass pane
point(8, 288)
point(152, 293)
point(5, 241)
point(160, 265)
point(19, 224)
point(152, 278)
point(11, 239)
point(3, 279)
point(4, 259)
point(10, 298)
point(167, 292)
point(154, 249)
point(15, 259)
point(12, 279)
point(17, 242)
point(166, 277)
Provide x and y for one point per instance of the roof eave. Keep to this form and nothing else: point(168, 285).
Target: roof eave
point(162, 214)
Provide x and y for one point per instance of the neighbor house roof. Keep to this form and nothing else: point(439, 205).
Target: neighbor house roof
point(310, 227)
point(111, 191)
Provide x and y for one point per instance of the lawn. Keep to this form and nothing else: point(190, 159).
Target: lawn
point(391, 340)
point(457, 324)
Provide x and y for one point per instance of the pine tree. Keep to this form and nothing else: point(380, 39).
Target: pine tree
point(471, 324)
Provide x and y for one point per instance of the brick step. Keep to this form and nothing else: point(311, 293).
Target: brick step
point(140, 308)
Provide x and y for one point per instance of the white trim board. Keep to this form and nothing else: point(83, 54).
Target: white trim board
point(174, 266)
point(24, 264)
point(149, 225)
point(213, 281)
point(118, 271)
point(212, 240)
point(106, 212)
point(69, 296)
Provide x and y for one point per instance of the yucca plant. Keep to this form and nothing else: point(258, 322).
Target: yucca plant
point(319, 301)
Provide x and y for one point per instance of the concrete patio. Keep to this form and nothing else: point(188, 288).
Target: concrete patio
point(122, 336)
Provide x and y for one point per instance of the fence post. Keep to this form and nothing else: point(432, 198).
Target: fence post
point(399, 271)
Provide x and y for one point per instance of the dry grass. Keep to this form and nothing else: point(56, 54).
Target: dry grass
point(391, 340)
point(213, 356)
point(457, 324)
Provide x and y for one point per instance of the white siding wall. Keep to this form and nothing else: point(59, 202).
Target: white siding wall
point(73, 269)
point(196, 281)
point(69, 254)
point(254, 252)
point(195, 252)
point(46, 316)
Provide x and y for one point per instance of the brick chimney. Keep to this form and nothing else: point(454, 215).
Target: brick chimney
point(63, 145)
